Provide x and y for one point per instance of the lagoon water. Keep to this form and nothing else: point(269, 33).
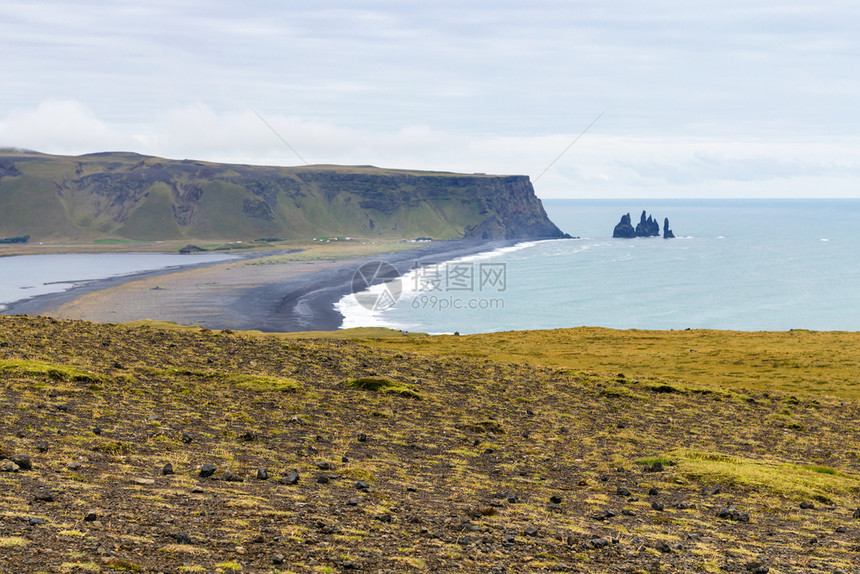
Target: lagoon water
point(26, 276)
point(735, 264)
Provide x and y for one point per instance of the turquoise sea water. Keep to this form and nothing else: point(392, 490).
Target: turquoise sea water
point(735, 264)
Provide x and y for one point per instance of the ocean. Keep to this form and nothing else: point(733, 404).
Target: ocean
point(735, 264)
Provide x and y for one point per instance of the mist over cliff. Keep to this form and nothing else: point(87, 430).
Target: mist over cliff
point(136, 197)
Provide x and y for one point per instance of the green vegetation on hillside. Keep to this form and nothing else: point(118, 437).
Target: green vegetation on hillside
point(798, 361)
point(135, 197)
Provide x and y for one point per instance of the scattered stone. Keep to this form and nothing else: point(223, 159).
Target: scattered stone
point(653, 492)
point(75, 465)
point(353, 502)
point(323, 465)
point(231, 477)
point(22, 460)
point(143, 481)
point(656, 467)
point(187, 438)
point(322, 479)
point(207, 470)
point(658, 506)
point(44, 496)
point(248, 436)
point(182, 538)
point(411, 489)
point(262, 474)
point(197, 490)
point(622, 491)
point(627, 512)
point(362, 437)
point(663, 547)
point(42, 446)
point(291, 478)
point(856, 514)
point(278, 559)
point(344, 459)
point(531, 531)
point(757, 567)
point(716, 489)
point(841, 529)
point(598, 543)
point(97, 431)
point(361, 485)
point(62, 408)
point(8, 466)
point(604, 515)
point(513, 499)
point(732, 513)
point(807, 505)
point(34, 521)
point(91, 516)
point(555, 499)
point(167, 469)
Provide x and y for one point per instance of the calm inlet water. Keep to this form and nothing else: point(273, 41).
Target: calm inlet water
point(26, 276)
point(746, 265)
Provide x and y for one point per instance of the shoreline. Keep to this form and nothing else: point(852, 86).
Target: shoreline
point(288, 297)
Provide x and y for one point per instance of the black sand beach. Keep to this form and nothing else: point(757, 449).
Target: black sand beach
point(299, 296)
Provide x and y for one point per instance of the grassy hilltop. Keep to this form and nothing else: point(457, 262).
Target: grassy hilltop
point(391, 460)
point(128, 196)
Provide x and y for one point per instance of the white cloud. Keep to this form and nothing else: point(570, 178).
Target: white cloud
point(63, 127)
point(596, 166)
point(706, 98)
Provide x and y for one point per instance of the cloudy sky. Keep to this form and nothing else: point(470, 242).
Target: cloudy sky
point(704, 98)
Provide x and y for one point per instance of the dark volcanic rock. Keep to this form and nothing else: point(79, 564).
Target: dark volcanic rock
point(44, 496)
point(22, 460)
point(647, 227)
point(167, 469)
point(207, 470)
point(732, 513)
point(667, 233)
point(291, 478)
point(624, 228)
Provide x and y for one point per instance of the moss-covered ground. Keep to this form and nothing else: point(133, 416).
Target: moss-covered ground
point(422, 458)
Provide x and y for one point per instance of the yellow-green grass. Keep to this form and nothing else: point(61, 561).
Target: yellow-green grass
point(794, 481)
point(808, 362)
point(45, 370)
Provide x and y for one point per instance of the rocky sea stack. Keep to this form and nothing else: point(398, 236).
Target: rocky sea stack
point(647, 227)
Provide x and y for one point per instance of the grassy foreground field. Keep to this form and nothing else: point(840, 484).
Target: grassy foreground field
point(329, 455)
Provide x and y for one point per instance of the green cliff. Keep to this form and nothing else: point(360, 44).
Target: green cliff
point(136, 197)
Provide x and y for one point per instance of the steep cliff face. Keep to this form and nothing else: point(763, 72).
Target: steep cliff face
point(130, 196)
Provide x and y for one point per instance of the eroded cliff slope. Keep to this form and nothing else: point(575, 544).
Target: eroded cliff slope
point(131, 196)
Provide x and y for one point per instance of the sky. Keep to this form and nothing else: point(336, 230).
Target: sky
point(704, 98)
